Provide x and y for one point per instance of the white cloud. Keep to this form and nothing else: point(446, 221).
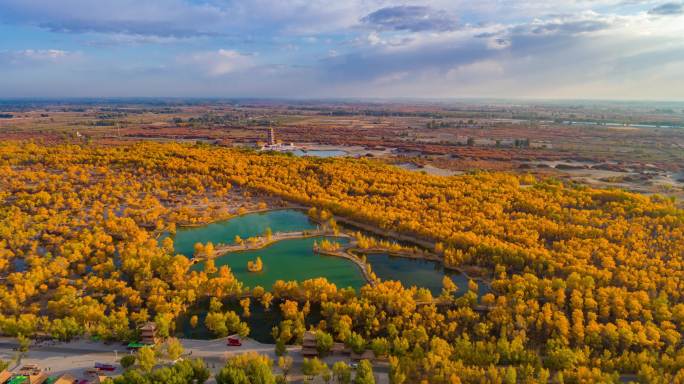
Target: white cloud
point(220, 62)
point(35, 56)
point(367, 47)
point(43, 54)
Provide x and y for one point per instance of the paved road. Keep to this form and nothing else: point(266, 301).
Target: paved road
point(61, 348)
point(78, 356)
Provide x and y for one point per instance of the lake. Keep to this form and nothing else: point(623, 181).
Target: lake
point(321, 152)
point(292, 259)
point(421, 273)
point(254, 224)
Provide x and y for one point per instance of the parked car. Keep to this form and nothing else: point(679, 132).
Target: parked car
point(105, 367)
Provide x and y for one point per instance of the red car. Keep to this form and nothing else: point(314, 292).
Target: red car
point(234, 341)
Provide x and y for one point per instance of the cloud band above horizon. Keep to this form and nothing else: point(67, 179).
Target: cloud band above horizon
point(378, 48)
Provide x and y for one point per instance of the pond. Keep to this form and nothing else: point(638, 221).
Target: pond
point(292, 259)
point(255, 224)
point(261, 322)
point(321, 152)
point(418, 272)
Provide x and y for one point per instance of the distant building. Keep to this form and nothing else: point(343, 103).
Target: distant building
point(273, 145)
point(541, 144)
point(148, 333)
point(5, 376)
point(37, 378)
point(366, 355)
point(484, 142)
point(65, 379)
point(461, 140)
point(271, 136)
point(309, 344)
point(506, 143)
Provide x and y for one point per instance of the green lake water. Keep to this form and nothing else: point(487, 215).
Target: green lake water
point(420, 273)
point(321, 153)
point(292, 260)
point(295, 260)
point(283, 220)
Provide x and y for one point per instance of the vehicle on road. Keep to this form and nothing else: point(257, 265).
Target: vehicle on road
point(134, 346)
point(234, 341)
point(105, 367)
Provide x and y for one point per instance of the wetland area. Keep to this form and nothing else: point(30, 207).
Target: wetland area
point(295, 259)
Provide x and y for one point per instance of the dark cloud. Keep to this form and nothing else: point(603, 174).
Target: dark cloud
point(412, 18)
point(668, 9)
point(536, 40)
point(563, 27)
point(486, 35)
point(373, 64)
point(166, 18)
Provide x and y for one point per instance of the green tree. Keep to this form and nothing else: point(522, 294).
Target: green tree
point(324, 342)
point(216, 323)
point(249, 368)
point(510, 376)
point(380, 346)
point(448, 288)
point(164, 323)
point(200, 372)
point(234, 325)
point(215, 305)
point(174, 348)
point(356, 343)
point(127, 361)
point(285, 364)
point(364, 373)
point(326, 374)
point(146, 358)
point(342, 372)
point(24, 343)
point(65, 329)
point(396, 376)
point(313, 367)
point(232, 375)
point(280, 348)
point(560, 357)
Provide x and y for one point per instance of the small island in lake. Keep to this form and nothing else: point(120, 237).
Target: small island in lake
point(256, 265)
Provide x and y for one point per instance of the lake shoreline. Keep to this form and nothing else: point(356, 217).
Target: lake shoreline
point(349, 250)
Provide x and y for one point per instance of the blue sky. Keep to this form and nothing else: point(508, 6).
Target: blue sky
point(589, 49)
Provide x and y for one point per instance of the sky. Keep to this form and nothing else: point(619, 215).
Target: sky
point(570, 49)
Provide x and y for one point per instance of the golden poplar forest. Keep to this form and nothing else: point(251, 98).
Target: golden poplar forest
point(587, 284)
